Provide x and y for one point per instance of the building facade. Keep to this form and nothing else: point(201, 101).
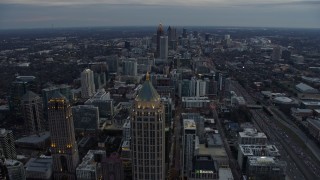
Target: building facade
point(160, 33)
point(148, 134)
point(32, 110)
point(91, 167)
point(87, 83)
point(112, 167)
point(189, 136)
point(64, 148)
point(86, 117)
point(15, 169)
point(102, 100)
point(164, 47)
point(7, 144)
point(130, 67)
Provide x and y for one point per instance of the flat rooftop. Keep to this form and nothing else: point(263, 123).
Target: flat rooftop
point(34, 139)
point(189, 124)
point(256, 150)
point(41, 164)
point(213, 151)
point(225, 173)
point(252, 133)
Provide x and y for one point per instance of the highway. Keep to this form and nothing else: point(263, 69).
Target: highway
point(299, 166)
point(282, 118)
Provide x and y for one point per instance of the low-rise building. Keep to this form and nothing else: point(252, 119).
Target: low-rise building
point(245, 151)
point(252, 136)
point(314, 128)
point(15, 169)
point(86, 117)
point(39, 141)
point(204, 167)
point(39, 168)
point(195, 102)
point(263, 167)
point(300, 114)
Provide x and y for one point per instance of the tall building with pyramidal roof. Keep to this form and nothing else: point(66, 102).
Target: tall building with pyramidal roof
point(63, 143)
point(147, 134)
point(160, 32)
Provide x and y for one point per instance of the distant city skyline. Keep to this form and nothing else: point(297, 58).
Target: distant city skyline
point(16, 14)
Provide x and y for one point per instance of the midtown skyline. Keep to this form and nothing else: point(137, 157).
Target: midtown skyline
point(17, 14)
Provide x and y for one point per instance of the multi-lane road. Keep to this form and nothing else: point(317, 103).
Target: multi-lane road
point(299, 164)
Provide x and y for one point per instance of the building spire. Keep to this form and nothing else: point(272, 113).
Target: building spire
point(147, 76)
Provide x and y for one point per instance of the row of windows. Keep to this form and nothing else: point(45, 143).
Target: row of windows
point(139, 113)
point(145, 149)
point(147, 126)
point(146, 134)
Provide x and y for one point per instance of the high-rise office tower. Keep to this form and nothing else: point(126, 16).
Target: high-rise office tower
point(172, 33)
point(17, 89)
point(65, 90)
point(32, 113)
point(100, 71)
point(188, 141)
point(7, 144)
point(160, 33)
point(113, 63)
point(164, 47)
point(172, 37)
point(87, 84)
point(129, 67)
point(148, 135)
point(63, 143)
point(184, 33)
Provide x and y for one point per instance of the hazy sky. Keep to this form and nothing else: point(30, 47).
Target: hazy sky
point(75, 13)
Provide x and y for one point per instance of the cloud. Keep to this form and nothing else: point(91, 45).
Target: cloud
point(161, 2)
point(272, 13)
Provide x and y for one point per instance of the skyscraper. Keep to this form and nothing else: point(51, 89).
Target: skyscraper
point(147, 134)
point(164, 47)
point(160, 33)
point(87, 83)
point(172, 33)
point(33, 113)
point(63, 143)
point(48, 92)
point(7, 144)
point(172, 37)
point(17, 89)
point(129, 67)
point(189, 136)
point(184, 33)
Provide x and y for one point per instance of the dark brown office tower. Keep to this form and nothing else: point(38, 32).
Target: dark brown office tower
point(64, 148)
point(160, 33)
